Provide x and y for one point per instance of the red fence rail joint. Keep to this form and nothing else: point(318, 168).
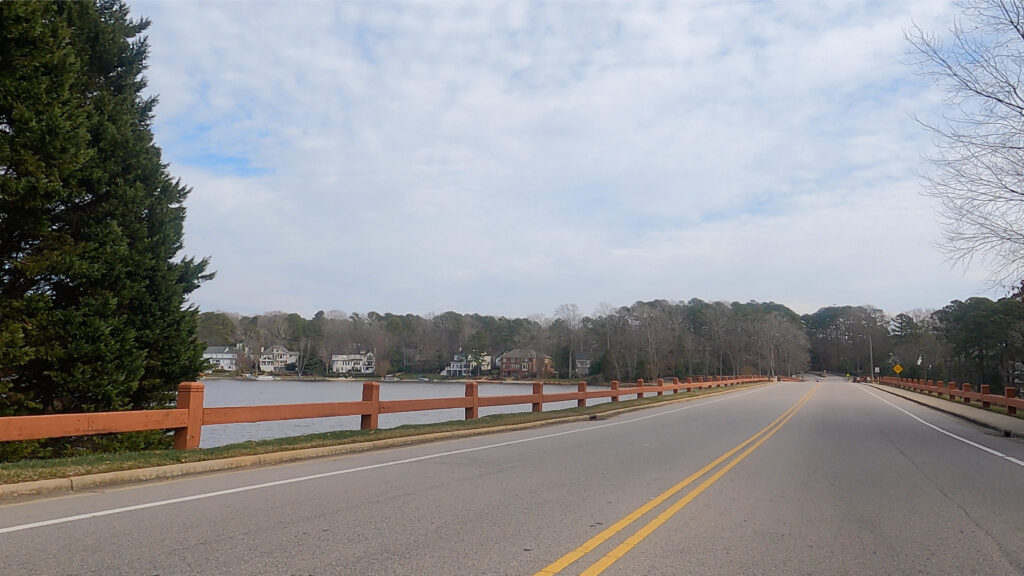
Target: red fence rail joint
point(473, 400)
point(190, 397)
point(371, 393)
point(538, 393)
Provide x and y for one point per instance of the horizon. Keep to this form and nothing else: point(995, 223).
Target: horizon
point(592, 314)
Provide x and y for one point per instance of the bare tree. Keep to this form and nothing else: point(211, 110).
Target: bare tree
point(716, 319)
point(654, 334)
point(275, 327)
point(570, 315)
point(979, 160)
point(609, 326)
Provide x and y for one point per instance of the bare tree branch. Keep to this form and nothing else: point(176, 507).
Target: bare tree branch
point(979, 144)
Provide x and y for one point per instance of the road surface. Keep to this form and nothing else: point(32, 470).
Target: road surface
point(809, 478)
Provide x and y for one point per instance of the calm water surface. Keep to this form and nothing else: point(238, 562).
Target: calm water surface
point(259, 393)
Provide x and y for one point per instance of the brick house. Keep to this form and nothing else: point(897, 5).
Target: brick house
point(520, 364)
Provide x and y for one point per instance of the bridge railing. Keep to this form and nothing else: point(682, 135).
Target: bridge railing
point(961, 392)
point(188, 419)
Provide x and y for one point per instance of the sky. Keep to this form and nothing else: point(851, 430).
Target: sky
point(506, 158)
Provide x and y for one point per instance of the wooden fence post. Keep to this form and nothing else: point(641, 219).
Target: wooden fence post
point(661, 387)
point(582, 389)
point(615, 390)
point(371, 393)
point(675, 385)
point(640, 384)
point(473, 393)
point(985, 391)
point(967, 388)
point(538, 389)
point(1010, 393)
point(190, 397)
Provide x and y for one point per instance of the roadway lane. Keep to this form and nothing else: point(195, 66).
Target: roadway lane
point(847, 485)
point(851, 485)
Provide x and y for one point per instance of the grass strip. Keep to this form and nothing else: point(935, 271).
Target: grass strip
point(28, 470)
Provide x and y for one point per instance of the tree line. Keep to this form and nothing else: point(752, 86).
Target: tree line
point(648, 340)
point(976, 340)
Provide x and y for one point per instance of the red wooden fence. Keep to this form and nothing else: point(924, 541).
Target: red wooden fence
point(188, 418)
point(964, 392)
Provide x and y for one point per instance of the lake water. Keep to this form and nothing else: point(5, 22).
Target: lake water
point(260, 393)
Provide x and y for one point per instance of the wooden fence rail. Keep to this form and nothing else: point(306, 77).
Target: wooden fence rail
point(963, 392)
point(188, 419)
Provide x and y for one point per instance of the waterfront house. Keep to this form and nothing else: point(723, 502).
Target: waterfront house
point(582, 364)
point(520, 364)
point(222, 357)
point(276, 358)
point(483, 362)
point(463, 365)
point(364, 363)
point(457, 368)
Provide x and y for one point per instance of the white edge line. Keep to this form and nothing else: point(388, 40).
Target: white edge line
point(111, 511)
point(948, 433)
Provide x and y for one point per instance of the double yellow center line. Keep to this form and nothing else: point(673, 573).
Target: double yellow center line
point(619, 551)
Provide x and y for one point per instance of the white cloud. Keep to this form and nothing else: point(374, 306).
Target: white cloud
point(506, 158)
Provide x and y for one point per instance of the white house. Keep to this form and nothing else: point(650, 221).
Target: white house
point(582, 364)
point(275, 358)
point(354, 363)
point(484, 362)
point(222, 357)
point(463, 365)
point(458, 367)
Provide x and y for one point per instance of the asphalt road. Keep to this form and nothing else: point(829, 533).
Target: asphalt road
point(791, 478)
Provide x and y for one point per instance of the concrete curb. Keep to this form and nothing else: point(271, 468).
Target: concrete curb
point(35, 488)
point(38, 488)
point(1014, 427)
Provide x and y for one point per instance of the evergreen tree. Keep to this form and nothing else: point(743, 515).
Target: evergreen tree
point(92, 301)
point(216, 329)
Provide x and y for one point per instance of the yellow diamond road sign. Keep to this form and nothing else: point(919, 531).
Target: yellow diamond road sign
point(897, 368)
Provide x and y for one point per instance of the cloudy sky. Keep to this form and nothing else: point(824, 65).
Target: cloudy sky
point(505, 158)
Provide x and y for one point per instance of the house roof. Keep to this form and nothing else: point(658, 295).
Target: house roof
point(219, 350)
point(520, 353)
point(362, 356)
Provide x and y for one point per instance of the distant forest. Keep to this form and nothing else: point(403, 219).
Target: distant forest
point(977, 340)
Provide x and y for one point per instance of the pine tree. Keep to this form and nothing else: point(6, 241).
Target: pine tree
point(93, 313)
